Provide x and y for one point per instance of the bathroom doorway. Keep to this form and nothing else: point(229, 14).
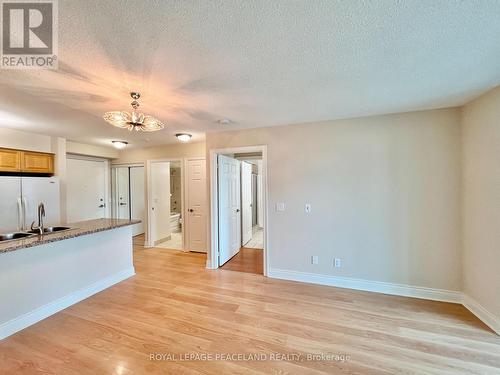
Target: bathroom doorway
point(165, 204)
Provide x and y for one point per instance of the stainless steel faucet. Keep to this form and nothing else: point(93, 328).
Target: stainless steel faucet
point(41, 215)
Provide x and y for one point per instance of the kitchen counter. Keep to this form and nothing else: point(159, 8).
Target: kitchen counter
point(44, 274)
point(78, 229)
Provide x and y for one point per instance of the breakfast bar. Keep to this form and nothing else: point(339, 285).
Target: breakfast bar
point(42, 274)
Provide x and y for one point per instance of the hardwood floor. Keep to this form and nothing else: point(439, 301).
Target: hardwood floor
point(175, 306)
point(247, 260)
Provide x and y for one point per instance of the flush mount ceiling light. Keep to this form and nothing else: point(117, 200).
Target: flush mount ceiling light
point(120, 145)
point(183, 137)
point(224, 121)
point(134, 120)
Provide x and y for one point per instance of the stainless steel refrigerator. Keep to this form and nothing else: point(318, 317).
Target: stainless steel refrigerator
point(19, 199)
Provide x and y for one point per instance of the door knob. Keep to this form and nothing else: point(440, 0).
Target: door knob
point(101, 206)
point(123, 204)
point(237, 210)
point(191, 210)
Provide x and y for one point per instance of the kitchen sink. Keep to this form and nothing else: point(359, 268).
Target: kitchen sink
point(49, 230)
point(14, 236)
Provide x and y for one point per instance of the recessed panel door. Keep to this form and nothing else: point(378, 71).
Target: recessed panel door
point(229, 208)
point(196, 203)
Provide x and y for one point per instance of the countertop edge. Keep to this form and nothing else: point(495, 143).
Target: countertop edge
point(79, 229)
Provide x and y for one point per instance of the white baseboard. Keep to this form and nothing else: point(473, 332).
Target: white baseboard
point(484, 315)
point(211, 265)
point(369, 286)
point(42, 312)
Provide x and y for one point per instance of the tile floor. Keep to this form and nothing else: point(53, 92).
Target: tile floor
point(257, 241)
point(175, 242)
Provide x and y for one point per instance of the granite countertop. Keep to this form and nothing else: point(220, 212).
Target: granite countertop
point(78, 229)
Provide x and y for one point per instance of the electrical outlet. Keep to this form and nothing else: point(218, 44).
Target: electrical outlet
point(337, 262)
point(314, 259)
point(308, 208)
point(280, 207)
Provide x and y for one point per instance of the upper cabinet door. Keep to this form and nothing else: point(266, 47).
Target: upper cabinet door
point(10, 160)
point(36, 162)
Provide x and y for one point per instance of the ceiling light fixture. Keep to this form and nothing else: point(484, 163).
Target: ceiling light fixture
point(120, 145)
point(183, 137)
point(135, 120)
point(224, 121)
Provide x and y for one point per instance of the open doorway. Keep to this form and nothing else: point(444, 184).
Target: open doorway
point(165, 201)
point(240, 211)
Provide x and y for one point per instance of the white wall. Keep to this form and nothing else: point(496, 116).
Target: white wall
point(385, 196)
point(10, 138)
point(481, 127)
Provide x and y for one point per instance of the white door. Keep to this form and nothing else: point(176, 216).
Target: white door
point(229, 208)
point(137, 198)
point(38, 190)
point(246, 202)
point(85, 189)
point(160, 201)
point(10, 204)
point(196, 204)
point(122, 193)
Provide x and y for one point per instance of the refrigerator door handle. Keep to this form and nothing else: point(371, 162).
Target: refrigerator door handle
point(25, 203)
point(19, 214)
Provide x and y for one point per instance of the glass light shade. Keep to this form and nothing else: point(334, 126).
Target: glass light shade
point(120, 145)
point(183, 137)
point(133, 121)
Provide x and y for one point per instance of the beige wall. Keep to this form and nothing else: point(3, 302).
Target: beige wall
point(173, 151)
point(385, 196)
point(91, 150)
point(481, 126)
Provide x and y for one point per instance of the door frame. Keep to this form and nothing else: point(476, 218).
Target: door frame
point(107, 179)
point(213, 230)
point(126, 165)
point(148, 243)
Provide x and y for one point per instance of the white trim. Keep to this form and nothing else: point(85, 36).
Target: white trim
point(209, 265)
point(42, 312)
point(115, 165)
point(149, 198)
point(214, 224)
point(369, 286)
point(484, 315)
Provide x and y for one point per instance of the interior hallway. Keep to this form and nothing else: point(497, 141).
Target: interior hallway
point(247, 260)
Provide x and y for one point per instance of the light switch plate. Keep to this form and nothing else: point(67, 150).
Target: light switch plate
point(308, 207)
point(280, 207)
point(314, 259)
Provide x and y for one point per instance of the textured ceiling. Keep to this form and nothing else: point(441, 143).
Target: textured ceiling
point(259, 63)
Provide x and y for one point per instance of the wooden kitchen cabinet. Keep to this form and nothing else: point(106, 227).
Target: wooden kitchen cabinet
point(10, 160)
point(26, 161)
point(37, 162)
